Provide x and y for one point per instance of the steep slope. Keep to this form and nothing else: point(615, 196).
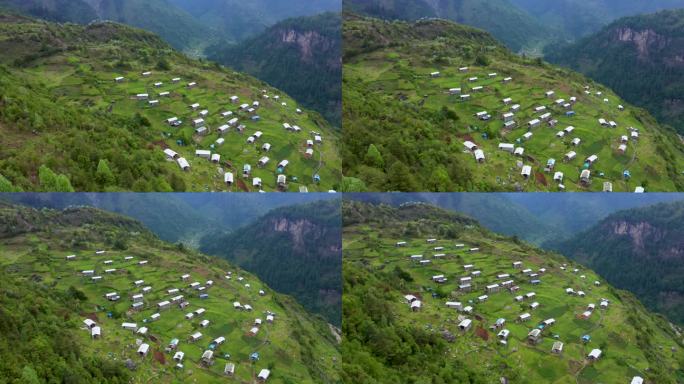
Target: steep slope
point(237, 20)
point(174, 25)
point(193, 214)
point(384, 341)
point(578, 18)
point(639, 57)
point(301, 56)
point(62, 109)
point(416, 93)
point(294, 249)
point(640, 250)
point(295, 346)
point(515, 28)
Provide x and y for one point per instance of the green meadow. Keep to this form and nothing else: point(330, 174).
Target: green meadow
point(71, 91)
point(296, 347)
point(390, 84)
point(633, 342)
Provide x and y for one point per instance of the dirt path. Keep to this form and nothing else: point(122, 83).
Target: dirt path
point(584, 351)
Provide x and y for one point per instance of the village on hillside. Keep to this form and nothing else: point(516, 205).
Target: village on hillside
point(553, 319)
point(150, 314)
point(547, 134)
point(249, 141)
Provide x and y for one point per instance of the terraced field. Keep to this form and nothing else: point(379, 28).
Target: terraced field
point(450, 85)
point(213, 94)
point(292, 345)
point(621, 330)
point(77, 80)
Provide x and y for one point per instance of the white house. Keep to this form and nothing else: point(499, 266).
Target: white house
point(263, 375)
point(519, 151)
point(507, 147)
point(203, 153)
point(503, 335)
point(228, 178)
point(594, 354)
point(479, 155)
point(465, 325)
point(526, 171)
point(470, 145)
point(130, 326)
point(144, 348)
point(195, 336)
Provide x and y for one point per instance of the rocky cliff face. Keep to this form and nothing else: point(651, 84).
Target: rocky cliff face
point(640, 233)
point(645, 41)
point(641, 250)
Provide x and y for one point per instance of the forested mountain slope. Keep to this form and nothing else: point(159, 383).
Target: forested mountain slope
point(174, 25)
point(301, 56)
point(237, 20)
point(640, 250)
point(578, 18)
point(295, 249)
point(517, 29)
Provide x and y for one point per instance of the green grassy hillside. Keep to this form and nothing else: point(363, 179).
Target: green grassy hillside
point(388, 342)
point(62, 109)
point(405, 131)
point(296, 347)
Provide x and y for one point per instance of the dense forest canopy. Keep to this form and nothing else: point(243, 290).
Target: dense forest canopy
point(295, 249)
point(300, 56)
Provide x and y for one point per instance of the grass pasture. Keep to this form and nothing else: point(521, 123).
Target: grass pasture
point(295, 347)
point(393, 87)
point(621, 331)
